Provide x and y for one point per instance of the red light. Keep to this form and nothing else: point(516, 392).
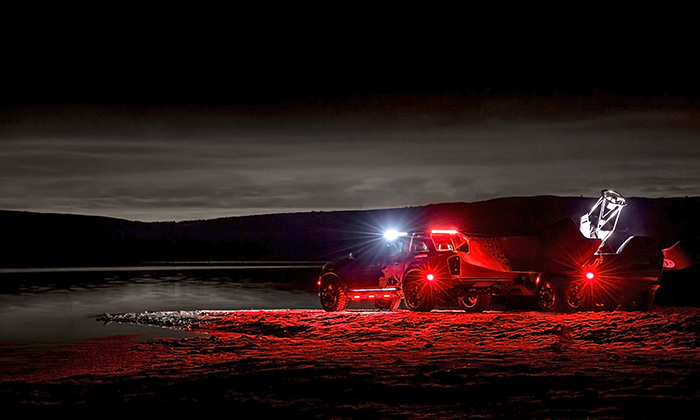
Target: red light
point(430, 277)
point(387, 295)
point(449, 232)
point(371, 296)
point(356, 297)
point(590, 276)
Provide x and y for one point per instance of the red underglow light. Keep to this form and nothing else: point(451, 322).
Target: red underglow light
point(430, 277)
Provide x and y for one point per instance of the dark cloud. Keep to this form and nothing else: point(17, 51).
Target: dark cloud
point(191, 163)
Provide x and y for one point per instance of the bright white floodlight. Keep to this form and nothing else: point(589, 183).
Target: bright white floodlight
point(391, 234)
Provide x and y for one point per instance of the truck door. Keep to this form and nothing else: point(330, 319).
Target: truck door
point(395, 263)
point(379, 266)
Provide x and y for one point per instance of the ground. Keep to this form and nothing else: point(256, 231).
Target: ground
point(372, 364)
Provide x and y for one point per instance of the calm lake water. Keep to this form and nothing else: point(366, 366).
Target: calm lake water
point(63, 305)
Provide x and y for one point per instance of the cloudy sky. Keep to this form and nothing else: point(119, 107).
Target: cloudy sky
point(148, 134)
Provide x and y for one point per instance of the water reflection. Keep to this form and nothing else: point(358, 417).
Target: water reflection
point(56, 308)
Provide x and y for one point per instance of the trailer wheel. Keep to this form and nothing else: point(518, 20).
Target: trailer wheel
point(477, 302)
point(418, 295)
point(549, 296)
point(332, 294)
point(644, 300)
point(603, 302)
point(389, 304)
point(573, 295)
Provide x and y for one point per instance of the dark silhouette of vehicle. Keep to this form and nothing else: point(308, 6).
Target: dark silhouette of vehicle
point(562, 267)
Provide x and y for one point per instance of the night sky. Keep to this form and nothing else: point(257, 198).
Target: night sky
point(179, 122)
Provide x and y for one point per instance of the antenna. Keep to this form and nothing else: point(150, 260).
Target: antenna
point(601, 220)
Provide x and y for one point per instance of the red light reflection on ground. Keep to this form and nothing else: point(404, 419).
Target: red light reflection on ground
point(293, 358)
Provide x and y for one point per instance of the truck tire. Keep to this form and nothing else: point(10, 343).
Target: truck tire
point(332, 294)
point(418, 294)
point(549, 293)
point(476, 302)
point(389, 304)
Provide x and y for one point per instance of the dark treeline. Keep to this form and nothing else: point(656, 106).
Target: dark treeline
point(60, 240)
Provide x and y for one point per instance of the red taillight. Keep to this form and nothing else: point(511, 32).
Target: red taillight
point(430, 277)
point(590, 276)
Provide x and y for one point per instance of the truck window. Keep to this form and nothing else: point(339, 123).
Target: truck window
point(461, 242)
point(420, 246)
point(443, 243)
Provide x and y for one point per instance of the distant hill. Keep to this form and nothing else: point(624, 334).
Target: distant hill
point(60, 240)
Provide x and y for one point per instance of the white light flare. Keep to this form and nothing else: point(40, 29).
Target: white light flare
point(392, 234)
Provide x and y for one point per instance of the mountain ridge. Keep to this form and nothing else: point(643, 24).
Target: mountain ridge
point(30, 239)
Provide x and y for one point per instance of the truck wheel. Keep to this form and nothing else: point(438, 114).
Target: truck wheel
point(474, 302)
point(389, 304)
point(332, 294)
point(418, 294)
point(549, 296)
